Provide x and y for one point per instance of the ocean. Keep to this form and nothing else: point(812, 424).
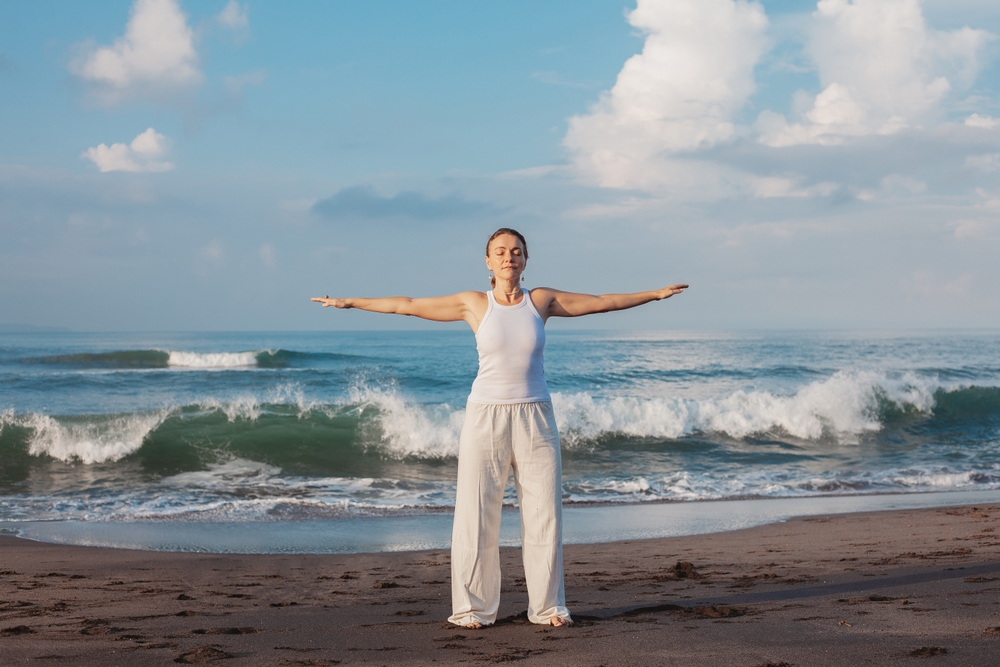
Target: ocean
point(279, 441)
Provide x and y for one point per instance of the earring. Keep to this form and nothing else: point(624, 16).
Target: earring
point(491, 273)
point(522, 277)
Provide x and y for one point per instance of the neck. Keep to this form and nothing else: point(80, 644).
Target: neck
point(507, 291)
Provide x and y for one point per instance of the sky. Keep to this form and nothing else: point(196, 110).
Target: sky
point(171, 165)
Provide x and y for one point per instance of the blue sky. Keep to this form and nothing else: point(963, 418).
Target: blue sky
point(172, 165)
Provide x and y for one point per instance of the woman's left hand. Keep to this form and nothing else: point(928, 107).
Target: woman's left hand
point(668, 292)
point(328, 302)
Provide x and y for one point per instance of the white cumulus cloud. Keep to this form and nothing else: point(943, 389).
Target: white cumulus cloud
point(143, 154)
point(985, 122)
point(680, 94)
point(233, 16)
point(156, 54)
point(881, 69)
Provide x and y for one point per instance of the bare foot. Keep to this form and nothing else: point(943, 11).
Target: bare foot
point(559, 622)
point(475, 625)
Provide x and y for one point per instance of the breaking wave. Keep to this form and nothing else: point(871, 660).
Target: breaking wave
point(90, 439)
point(843, 406)
point(153, 359)
point(284, 428)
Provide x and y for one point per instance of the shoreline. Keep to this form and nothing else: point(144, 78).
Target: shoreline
point(583, 524)
point(865, 587)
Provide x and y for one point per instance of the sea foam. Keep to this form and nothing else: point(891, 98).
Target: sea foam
point(842, 406)
point(212, 360)
point(86, 439)
point(408, 429)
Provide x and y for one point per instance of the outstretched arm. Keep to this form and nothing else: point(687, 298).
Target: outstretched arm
point(570, 304)
point(453, 308)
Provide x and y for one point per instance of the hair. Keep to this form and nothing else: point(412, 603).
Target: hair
point(501, 232)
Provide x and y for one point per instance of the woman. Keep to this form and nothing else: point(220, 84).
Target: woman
point(508, 424)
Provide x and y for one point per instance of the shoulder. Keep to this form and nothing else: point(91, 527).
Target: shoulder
point(472, 300)
point(541, 297)
point(472, 297)
point(543, 294)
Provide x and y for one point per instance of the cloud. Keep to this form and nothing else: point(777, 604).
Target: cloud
point(680, 94)
point(881, 69)
point(143, 154)
point(987, 162)
point(540, 171)
point(900, 184)
point(233, 16)
point(987, 201)
point(213, 251)
point(629, 207)
point(892, 186)
point(234, 85)
point(926, 285)
point(155, 56)
point(363, 202)
point(675, 123)
point(775, 186)
point(985, 122)
point(971, 229)
point(739, 235)
point(267, 255)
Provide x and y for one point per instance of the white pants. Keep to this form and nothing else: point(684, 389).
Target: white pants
point(496, 438)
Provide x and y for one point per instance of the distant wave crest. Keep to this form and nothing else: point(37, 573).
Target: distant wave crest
point(212, 359)
point(181, 359)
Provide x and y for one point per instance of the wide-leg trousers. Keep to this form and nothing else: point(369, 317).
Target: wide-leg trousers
point(496, 439)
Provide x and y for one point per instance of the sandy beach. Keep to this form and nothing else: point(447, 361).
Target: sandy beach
point(903, 587)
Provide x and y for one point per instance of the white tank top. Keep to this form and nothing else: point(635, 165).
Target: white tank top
point(510, 341)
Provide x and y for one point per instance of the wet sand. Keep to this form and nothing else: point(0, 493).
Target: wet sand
point(909, 587)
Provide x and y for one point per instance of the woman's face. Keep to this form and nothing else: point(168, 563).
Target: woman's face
point(506, 257)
